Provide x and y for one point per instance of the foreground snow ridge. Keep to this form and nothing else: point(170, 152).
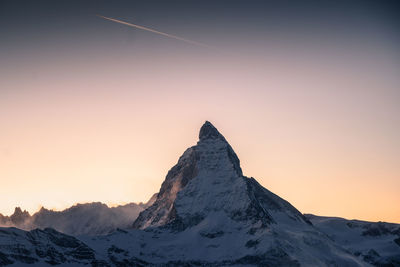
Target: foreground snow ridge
point(207, 213)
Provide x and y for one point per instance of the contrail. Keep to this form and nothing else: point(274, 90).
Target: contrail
point(157, 32)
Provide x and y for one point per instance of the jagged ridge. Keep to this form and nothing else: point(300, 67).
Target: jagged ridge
point(81, 219)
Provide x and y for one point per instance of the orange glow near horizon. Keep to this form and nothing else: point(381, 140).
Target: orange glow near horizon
point(110, 132)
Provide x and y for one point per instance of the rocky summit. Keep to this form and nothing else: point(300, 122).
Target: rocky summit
point(206, 213)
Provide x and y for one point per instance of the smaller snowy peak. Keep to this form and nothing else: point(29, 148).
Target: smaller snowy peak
point(208, 131)
point(377, 243)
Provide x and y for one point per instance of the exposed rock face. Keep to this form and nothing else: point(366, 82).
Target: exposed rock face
point(18, 219)
point(19, 216)
point(162, 210)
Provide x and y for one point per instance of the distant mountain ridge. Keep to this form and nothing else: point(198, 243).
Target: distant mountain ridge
point(207, 213)
point(93, 218)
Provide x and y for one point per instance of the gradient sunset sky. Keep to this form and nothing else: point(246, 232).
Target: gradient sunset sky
point(306, 93)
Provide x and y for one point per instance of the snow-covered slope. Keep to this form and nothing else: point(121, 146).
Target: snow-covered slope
point(42, 247)
point(81, 219)
point(375, 242)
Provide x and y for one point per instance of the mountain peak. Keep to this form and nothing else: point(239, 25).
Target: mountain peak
point(18, 212)
point(208, 180)
point(19, 216)
point(208, 131)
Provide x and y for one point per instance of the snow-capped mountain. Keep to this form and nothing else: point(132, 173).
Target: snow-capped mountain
point(207, 180)
point(82, 219)
point(231, 217)
point(207, 213)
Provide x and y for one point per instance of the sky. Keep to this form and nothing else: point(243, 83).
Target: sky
point(306, 93)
